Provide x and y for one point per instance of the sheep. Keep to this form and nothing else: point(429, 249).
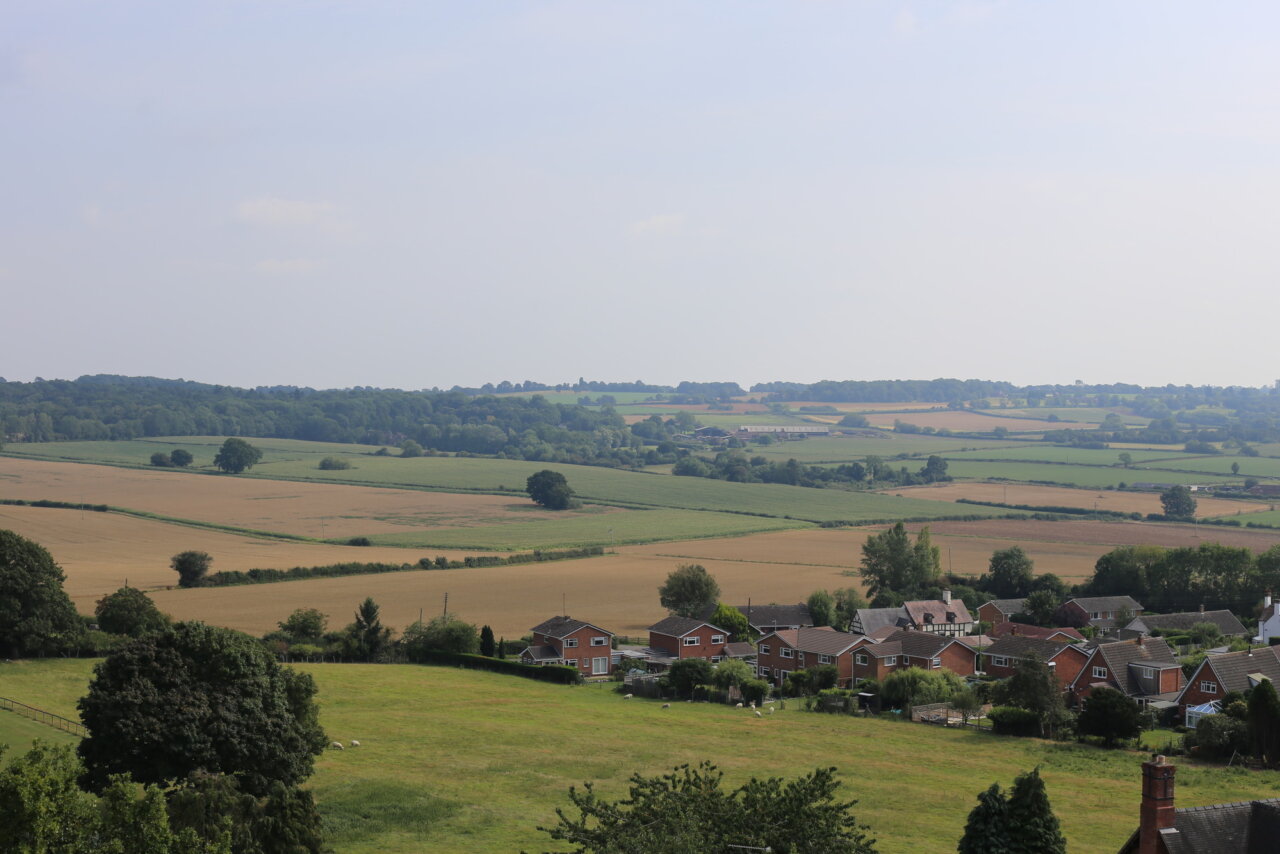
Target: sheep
point(771, 710)
point(355, 743)
point(666, 705)
point(753, 704)
point(739, 706)
point(758, 714)
point(337, 745)
point(627, 696)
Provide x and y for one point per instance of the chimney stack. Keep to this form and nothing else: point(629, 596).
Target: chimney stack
point(946, 595)
point(1266, 600)
point(1157, 804)
point(1201, 607)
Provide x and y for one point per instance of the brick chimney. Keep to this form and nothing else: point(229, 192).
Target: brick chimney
point(1157, 804)
point(1013, 628)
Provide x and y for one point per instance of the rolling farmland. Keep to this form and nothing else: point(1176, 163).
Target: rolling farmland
point(1061, 496)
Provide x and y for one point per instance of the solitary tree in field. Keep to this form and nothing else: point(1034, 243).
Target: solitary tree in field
point(191, 567)
point(550, 489)
point(689, 590)
point(1178, 503)
point(236, 455)
point(181, 458)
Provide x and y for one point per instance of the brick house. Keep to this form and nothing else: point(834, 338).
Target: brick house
point(1065, 659)
point(1144, 669)
point(684, 637)
point(910, 648)
point(999, 611)
point(1226, 622)
point(572, 643)
point(785, 651)
point(1101, 612)
point(1235, 671)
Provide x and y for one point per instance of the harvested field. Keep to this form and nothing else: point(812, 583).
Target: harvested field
point(1062, 496)
point(302, 509)
point(1108, 534)
point(971, 422)
point(617, 591)
point(919, 406)
point(98, 551)
point(1084, 476)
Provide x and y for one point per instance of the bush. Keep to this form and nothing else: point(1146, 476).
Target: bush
point(688, 673)
point(359, 541)
point(754, 691)
point(161, 460)
point(1220, 736)
point(334, 464)
point(1008, 720)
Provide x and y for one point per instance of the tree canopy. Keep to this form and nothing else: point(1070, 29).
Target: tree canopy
point(550, 489)
point(1111, 716)
point(1020, 823)
point(197, 697)
point(36, 615)
point(1009, 573)
point(130, 612)
point(192, 567)
point(236, 455)
point(447, 633)
point(689, 812)
point(689, 591)
point(1178, 502)
point(890, 562)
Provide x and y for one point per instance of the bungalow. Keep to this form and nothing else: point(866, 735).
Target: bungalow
point(1225, 621)
point(1101, 612)
point(1246, 827)
point(684, 637)
point(1144, 669)
point(1068, 635)
point(781, 652)
point(1268, 621)
point(768, 618)
point(999, 611)
point(1064, 658)
point(1235, 671)
point(572, 643)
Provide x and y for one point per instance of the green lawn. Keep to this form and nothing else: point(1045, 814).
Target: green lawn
point(18, 732)
point(1259, 467)
point(203, 448)
point(457, 761)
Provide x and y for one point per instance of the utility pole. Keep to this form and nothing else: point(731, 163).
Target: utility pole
point(446, 604)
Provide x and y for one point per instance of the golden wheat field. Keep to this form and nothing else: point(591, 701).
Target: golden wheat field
point(300, 509)
point(98, 551)
point(1063, 496)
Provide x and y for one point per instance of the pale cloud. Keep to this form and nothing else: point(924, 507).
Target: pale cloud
point(274, 212)
point(288, 266)
point(668, 223)
point(906, 23)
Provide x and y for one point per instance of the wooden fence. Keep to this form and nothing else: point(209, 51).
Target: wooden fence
point(46, 718)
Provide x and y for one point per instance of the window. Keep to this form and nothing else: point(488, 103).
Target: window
point(1096, 615)
point(936, 663)
point(764, 649)
point(860, 658)
point(717, 638)
point(570, 642)
point(1146, 672)
point(571, 662)
point(787, 652)
point(763, 671)
point(824, 659)
point(715, 659)
point(1209, 687)
point(890, 660)
point(1099, 673)
point(691, 641)
point(999, 661)
point(599, 641)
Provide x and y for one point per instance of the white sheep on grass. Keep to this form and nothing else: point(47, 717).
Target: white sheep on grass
point(627, 696)
point(337, 745)
point(758, 714)
point(666, 705)
point(355, 743)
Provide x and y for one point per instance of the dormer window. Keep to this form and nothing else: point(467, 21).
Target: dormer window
point(951, 616)
point(928, 618)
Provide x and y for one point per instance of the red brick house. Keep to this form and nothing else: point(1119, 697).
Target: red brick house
point(999, 611)
point(1066, 635)
point(683, 637)
point(573, 643)
point(1144, 669)
point(1065, 659)
point(1104, 613)
point(1235, 671)
point(785, 651)
point(910, 648)
point(1245, 827)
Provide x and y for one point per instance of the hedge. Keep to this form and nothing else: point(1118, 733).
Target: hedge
point(549, 673)
point(1009, 720)
point(62, 505)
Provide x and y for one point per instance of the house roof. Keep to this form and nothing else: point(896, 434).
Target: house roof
point(1235, 668)
point(867, 620)
point(541, 653)
point(559, 627)
point(1118, 656)
point(1006, 606)
point(1248, 827)
point(883, 650)
point(1024, 630)
point(739, 649)
point(976, 642)
point(771, 615)
point(823, 641)
point(884, 632)
point(1017, 646)
point(678, 627)
point(924, 612)
point(920, 644)
point(1224, 620)
point(1107, 603)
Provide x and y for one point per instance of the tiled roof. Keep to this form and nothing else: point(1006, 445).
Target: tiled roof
point(1120, 655)
point(739, 650)
point(558, 627)
point(771, 615)
point(1006, 606)
point(883, 632)
point(919, 644)
point(1249, 827)
point(867, 620)
point(925, 612)
point(1233, 669)
point(883, 650)
point(541, 653)
point(976, 642)
point(1017, 646)
point(679, 626)
point(1224, 620)
point(822, 641)
point(1108, 603)
point(1024, 630)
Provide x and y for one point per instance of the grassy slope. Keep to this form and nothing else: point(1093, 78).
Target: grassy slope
point(1085, 476)
point(472, 762)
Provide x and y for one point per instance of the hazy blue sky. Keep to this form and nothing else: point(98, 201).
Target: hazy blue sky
point(415, 194)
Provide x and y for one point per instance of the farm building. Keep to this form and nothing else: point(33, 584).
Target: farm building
point(784, 431)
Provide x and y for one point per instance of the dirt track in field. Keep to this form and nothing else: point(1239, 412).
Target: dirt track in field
point(1061, 496)
point(300, 509)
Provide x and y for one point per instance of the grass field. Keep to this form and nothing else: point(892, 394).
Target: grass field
point(1260, 467)
point(203, 448)
point(1044, 452)
point(886, 445)
point(485, 759)
point(1078, 475)
point(969, 421)
point(1085, 414)
point(18, 732)
point(1061, 496)
point(1266, 517)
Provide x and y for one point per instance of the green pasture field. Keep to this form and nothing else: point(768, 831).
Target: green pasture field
point(629, 527)
point(460, 761)
point(1266, 517)
point(1261, 467)
point(1044, 452)
point(1268, 449)
point(19, 732)
point(733, 420)
point(1078, 475)
point(1081, 414)
point(857, 448)
point(203, 448)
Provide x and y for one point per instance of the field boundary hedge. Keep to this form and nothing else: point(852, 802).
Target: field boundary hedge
point(1054, 508)
point(543, 673)
point(232, 578)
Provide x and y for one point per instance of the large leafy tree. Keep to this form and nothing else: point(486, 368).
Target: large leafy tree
point(689, 812)
point(732, 621)
point(36, 615)
point(1178, 502)
point(1033, 687)
point(447, 633)
point(1111, 716)
point(130, 612)
point(1009, 573)
point(191, 566)
point(550, 489)
point(891, 562)
point(197, 697)
point(822, 608)
point(689, 591)
point(236, 455)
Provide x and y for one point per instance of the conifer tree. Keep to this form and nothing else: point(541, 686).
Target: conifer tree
point(1032, 826)
point(1264, 723)
point(487, 646)
point(987, 830)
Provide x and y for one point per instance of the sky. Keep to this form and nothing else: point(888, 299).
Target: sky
point(423, 194)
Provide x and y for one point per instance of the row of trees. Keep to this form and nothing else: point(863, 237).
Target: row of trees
point(1182, 579)
point(735, 465)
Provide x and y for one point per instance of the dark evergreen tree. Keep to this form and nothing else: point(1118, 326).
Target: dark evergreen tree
point(1032, 826)
point(367, 638)
point(487, 646)
point(987, 830)
point(1264, 723)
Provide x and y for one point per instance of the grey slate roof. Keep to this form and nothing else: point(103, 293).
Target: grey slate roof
point(771, 616)
point(1224, 620)
point(920, 644)
point(1017, 646)
point(823, 641)
point(1233, 669)
point(1108, 603)
point(558, 627)
point(739, 649)
point(1120, 655)
point(1249, 827)
point(679, 626)
point(867, 620)
point(541, 653)
point(1007, 606)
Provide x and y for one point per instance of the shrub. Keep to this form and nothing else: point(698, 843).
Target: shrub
point(1008, 720)
point(334, 464)
point(754, 691)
